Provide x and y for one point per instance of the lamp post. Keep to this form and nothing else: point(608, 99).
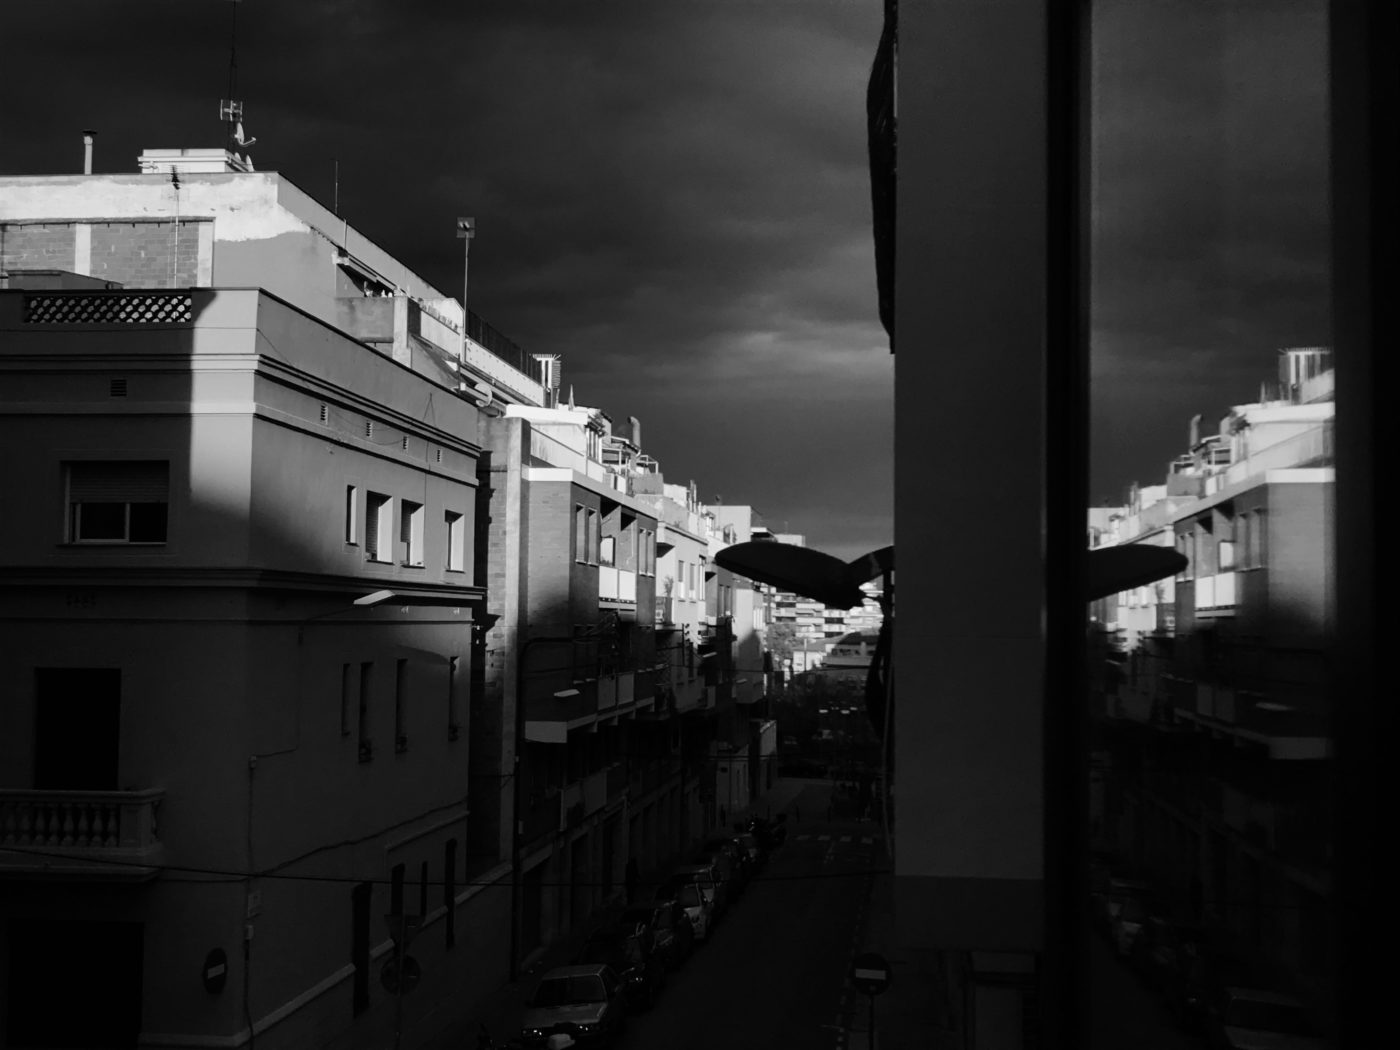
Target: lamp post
point(466, 230)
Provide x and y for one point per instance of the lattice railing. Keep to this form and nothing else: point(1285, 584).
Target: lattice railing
point(117, 308)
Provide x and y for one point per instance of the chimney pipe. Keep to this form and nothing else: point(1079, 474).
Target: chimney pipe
point(87, 151)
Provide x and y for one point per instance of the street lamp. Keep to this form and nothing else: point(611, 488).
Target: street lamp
point(466, 230)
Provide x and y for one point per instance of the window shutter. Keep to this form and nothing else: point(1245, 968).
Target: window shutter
point(372, 528)
point(124, 481)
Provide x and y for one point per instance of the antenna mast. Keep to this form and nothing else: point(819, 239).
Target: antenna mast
point(231, 108)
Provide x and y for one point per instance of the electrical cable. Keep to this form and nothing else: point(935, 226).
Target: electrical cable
point(224, 875)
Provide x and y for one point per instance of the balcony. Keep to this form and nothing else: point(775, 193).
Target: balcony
point(665, 611)
point(548, 719)
point(595, 792)
point(617, 591)
point(617, 780)
point(541, 818)
point(111, 835)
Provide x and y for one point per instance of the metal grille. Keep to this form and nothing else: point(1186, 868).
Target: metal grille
point(126, 308)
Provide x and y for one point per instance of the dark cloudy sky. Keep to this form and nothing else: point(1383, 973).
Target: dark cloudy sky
point(673, 194)
point(1210, 224)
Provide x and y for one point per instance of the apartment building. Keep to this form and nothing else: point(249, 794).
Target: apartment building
point(240, 649)
point(1216, 718)
point(570, 664)
point(244, 643)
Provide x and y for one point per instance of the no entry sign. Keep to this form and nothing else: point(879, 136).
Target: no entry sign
point(870, 973)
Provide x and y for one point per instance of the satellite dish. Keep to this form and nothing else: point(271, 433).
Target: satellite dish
point(1114, 569)
point(811, 573)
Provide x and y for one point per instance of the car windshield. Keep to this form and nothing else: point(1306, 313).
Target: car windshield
point(634, 917)
point(1133, 910)
point(1268, 1017)
point(688, 895)
point(562, 991)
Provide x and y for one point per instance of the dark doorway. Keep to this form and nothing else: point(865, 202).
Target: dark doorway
point(54, 964)
point(532, 910)
point(609, 844)
point(77, 717)
point(578, 882)
point(360, 900)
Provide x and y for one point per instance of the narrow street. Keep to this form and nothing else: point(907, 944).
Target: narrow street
point(774, 970)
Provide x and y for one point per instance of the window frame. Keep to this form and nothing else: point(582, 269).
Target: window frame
point(73, 509)
point(411, 519)
point(381, 514)
point(456, 525)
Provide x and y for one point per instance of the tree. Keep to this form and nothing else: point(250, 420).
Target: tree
point(779, 639)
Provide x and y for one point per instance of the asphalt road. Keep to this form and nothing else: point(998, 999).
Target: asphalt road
point(1123, 1012)
point(773, 972)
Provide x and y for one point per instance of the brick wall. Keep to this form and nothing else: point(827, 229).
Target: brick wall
point(134, 254)
point(138, 253)
point(36, 246)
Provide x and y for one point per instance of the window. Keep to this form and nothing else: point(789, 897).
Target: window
point(366, 747)
point(1226, 553)
point(347, 685)
point(449, 889)
point(401, 706)
point(592, 537)
point(681, 592)
point(123, 501)
point(396, 875)
point(378, 508)
point(580, 533)
point(352, 514)
point(456, 541)
point(411, 532)
point(454, 728)
point(607, 554)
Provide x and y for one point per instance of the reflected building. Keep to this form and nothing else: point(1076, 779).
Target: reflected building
point(1212, 693)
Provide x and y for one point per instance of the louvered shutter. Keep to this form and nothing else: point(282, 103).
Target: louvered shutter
point(119, 481)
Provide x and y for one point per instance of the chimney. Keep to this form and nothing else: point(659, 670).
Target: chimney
point(87, 151)
point(636, 427)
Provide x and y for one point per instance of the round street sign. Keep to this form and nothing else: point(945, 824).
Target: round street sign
point(215, 971)
point(412, 974)
point(870, 973)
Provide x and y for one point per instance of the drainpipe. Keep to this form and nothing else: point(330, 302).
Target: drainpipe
point(87, 151)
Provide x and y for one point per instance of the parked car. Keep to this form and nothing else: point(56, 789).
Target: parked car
point(690, 893)
point(1127, 923)
point(1161, 951)
point(1109, 898)
point(724, 856)
point(757, 854)
point(586, 1002)
point(672, 936)
point(1204, 974)
point(770, 833)
point(1245, 1018)
point(714, 885)
point(632, 956)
